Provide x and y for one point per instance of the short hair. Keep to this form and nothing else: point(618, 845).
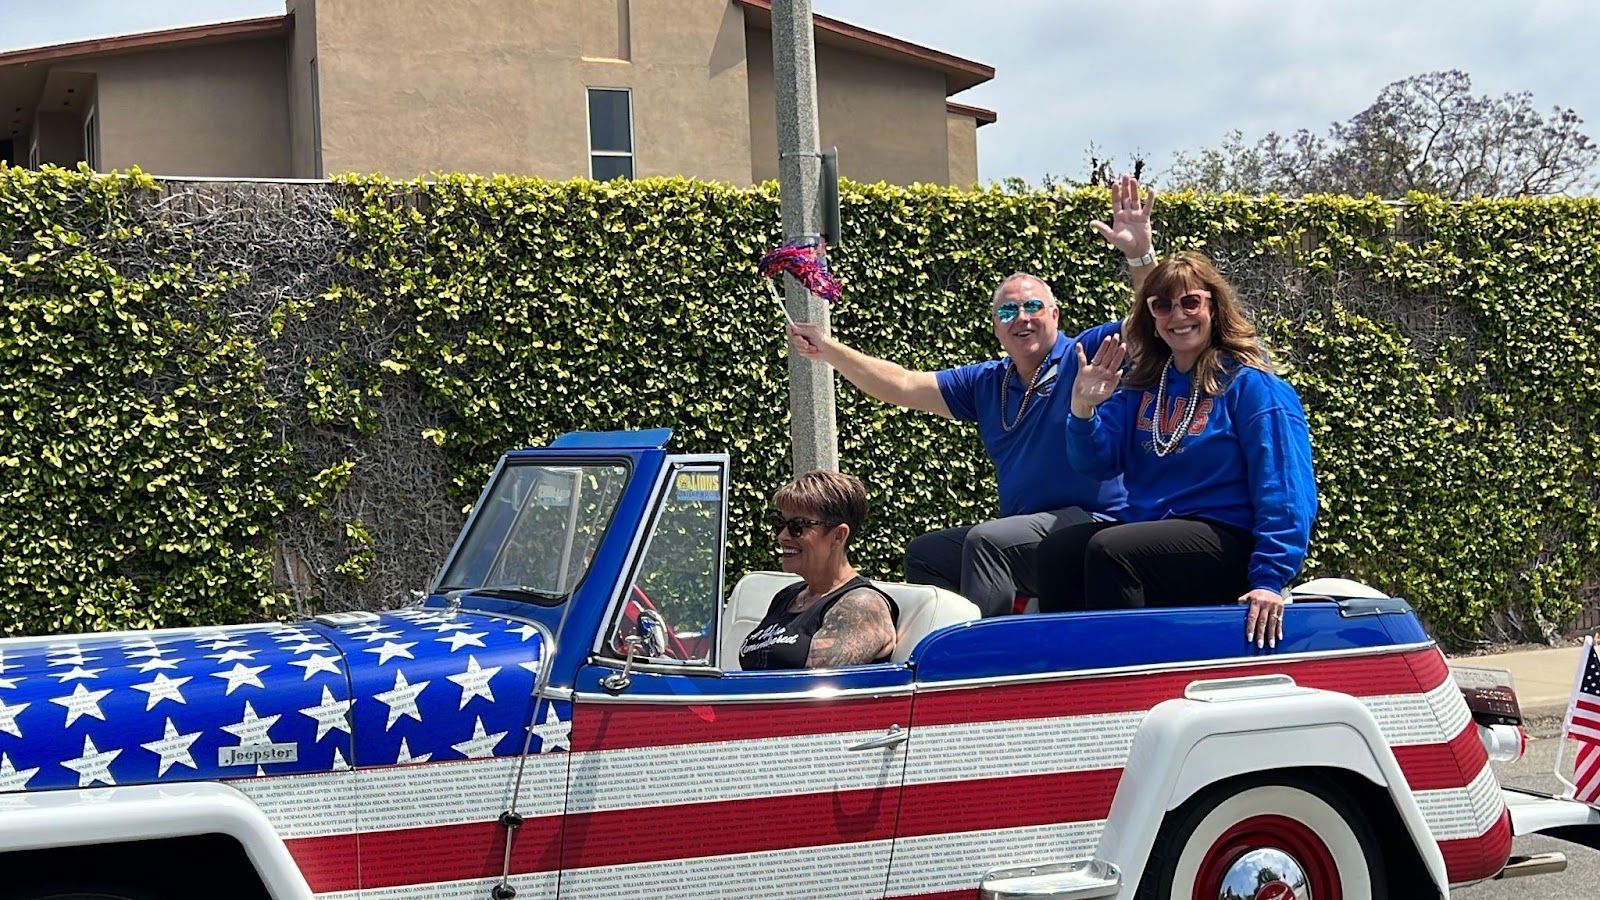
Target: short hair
point(830, 496)
point(995, 297)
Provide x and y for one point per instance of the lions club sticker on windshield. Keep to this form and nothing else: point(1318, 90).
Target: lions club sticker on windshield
point(698, 487)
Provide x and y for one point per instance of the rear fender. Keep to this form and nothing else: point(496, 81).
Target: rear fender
point(1225, 729)
point(46, 819)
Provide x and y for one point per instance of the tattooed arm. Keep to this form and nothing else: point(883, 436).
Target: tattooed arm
point(858, 629)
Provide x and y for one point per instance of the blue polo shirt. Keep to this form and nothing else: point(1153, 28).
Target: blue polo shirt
point(1030, 460)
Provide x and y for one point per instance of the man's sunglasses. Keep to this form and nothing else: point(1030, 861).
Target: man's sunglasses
point(797, 525)
point(1162, 306)
point(1007, 312)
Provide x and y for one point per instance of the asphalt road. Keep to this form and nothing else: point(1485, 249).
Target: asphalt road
point(1582, 877)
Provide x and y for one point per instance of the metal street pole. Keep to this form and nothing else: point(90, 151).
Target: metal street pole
point(813, 431)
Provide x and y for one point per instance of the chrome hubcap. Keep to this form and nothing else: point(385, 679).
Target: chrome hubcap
point(1266, 874)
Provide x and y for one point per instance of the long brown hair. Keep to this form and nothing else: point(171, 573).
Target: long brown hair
point(1232, 335)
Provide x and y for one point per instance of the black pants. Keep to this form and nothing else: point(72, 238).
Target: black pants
point(1172, 562)
point(989, 563)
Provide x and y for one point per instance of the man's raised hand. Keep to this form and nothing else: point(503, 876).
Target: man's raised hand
point(1129, 230)
point(806, 339)
point(1097, 379)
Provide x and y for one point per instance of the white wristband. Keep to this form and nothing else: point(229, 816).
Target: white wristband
point(1139, 262)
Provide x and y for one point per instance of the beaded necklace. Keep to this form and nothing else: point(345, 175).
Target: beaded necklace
point(1165, 445)
point(1022, 408)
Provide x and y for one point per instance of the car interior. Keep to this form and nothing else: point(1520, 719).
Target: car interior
point(923, 608)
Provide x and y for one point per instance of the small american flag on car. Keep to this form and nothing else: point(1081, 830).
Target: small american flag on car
point(1583, 725)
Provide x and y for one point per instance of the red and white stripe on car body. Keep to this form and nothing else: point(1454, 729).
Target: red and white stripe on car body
point(657, 797)
point(1141, 751)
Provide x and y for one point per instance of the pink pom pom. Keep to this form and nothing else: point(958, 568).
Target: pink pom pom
point(808, 263)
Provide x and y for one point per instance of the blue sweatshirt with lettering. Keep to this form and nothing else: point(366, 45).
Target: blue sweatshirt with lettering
point(1245, 461)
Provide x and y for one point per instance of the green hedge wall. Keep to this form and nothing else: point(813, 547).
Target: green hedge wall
point(192, 386)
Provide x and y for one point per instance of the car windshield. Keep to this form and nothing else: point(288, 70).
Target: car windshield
point(535, 532)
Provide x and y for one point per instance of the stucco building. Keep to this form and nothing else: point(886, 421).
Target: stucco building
point(555, 88)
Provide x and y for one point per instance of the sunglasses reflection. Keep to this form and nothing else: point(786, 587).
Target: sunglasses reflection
point(1162, 306)
point(1008, 312)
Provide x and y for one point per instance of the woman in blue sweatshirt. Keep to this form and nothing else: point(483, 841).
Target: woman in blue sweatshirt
point(1213, 448)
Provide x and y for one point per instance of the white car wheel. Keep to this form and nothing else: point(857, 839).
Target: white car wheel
point(1296, 840)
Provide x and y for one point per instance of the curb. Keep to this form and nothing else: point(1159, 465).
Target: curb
point(1543, 709)
point(1541, 724)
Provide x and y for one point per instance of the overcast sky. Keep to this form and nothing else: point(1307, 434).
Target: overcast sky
point(1128, 75)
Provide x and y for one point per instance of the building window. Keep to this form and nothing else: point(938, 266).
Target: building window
point(91, 139)
point(610, 133)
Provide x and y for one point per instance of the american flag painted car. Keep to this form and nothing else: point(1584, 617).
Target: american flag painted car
point(562, 715)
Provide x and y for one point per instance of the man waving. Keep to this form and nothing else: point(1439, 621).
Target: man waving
point(1020, 403)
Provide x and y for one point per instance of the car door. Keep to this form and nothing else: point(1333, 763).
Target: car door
point(689, 781)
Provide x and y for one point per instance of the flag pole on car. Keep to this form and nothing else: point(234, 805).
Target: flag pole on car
point(1582, 725)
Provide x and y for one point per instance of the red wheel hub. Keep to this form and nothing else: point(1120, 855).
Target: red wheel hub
point(1280, 836)
point(1275, 890)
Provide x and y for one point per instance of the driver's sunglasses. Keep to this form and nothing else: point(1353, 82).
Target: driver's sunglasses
point(796, 525)
point(1007, 312)
point(1162, 306)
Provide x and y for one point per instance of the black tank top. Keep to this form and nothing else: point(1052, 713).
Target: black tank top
point(783, 639)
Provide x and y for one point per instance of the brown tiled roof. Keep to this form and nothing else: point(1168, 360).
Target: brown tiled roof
point(959, 73)
point(265, 26)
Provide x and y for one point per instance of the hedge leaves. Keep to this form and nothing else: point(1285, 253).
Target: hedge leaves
point(175, 413)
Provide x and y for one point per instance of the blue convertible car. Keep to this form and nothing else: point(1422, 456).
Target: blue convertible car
point(562, 715)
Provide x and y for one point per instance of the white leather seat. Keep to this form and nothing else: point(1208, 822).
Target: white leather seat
point(923, 608)
point(1334, 587)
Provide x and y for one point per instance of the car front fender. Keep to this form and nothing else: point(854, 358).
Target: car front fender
point(84, 818)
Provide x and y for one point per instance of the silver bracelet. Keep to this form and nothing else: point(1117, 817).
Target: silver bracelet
point(1139, 262)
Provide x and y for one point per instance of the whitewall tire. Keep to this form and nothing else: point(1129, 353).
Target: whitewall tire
point(1292, 838)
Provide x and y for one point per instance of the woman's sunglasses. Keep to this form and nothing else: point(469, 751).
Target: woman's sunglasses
point(797, 524)
point(1162, 306)
point(1007, 312)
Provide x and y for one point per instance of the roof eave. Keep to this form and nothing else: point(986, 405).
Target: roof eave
point(959, 73)
point(265, 26)
point(977, 113)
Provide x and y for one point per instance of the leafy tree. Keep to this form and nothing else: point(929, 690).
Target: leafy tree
point(1425, 133)
point(1099, 171)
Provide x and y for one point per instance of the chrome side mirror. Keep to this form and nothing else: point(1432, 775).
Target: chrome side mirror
point(616, 681)
point(650, 640)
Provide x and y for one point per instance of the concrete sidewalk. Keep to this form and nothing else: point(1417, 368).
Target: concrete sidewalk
point(1543, 677)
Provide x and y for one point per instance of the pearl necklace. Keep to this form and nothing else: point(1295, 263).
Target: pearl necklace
point(1165, 445)
point(1022, 408)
